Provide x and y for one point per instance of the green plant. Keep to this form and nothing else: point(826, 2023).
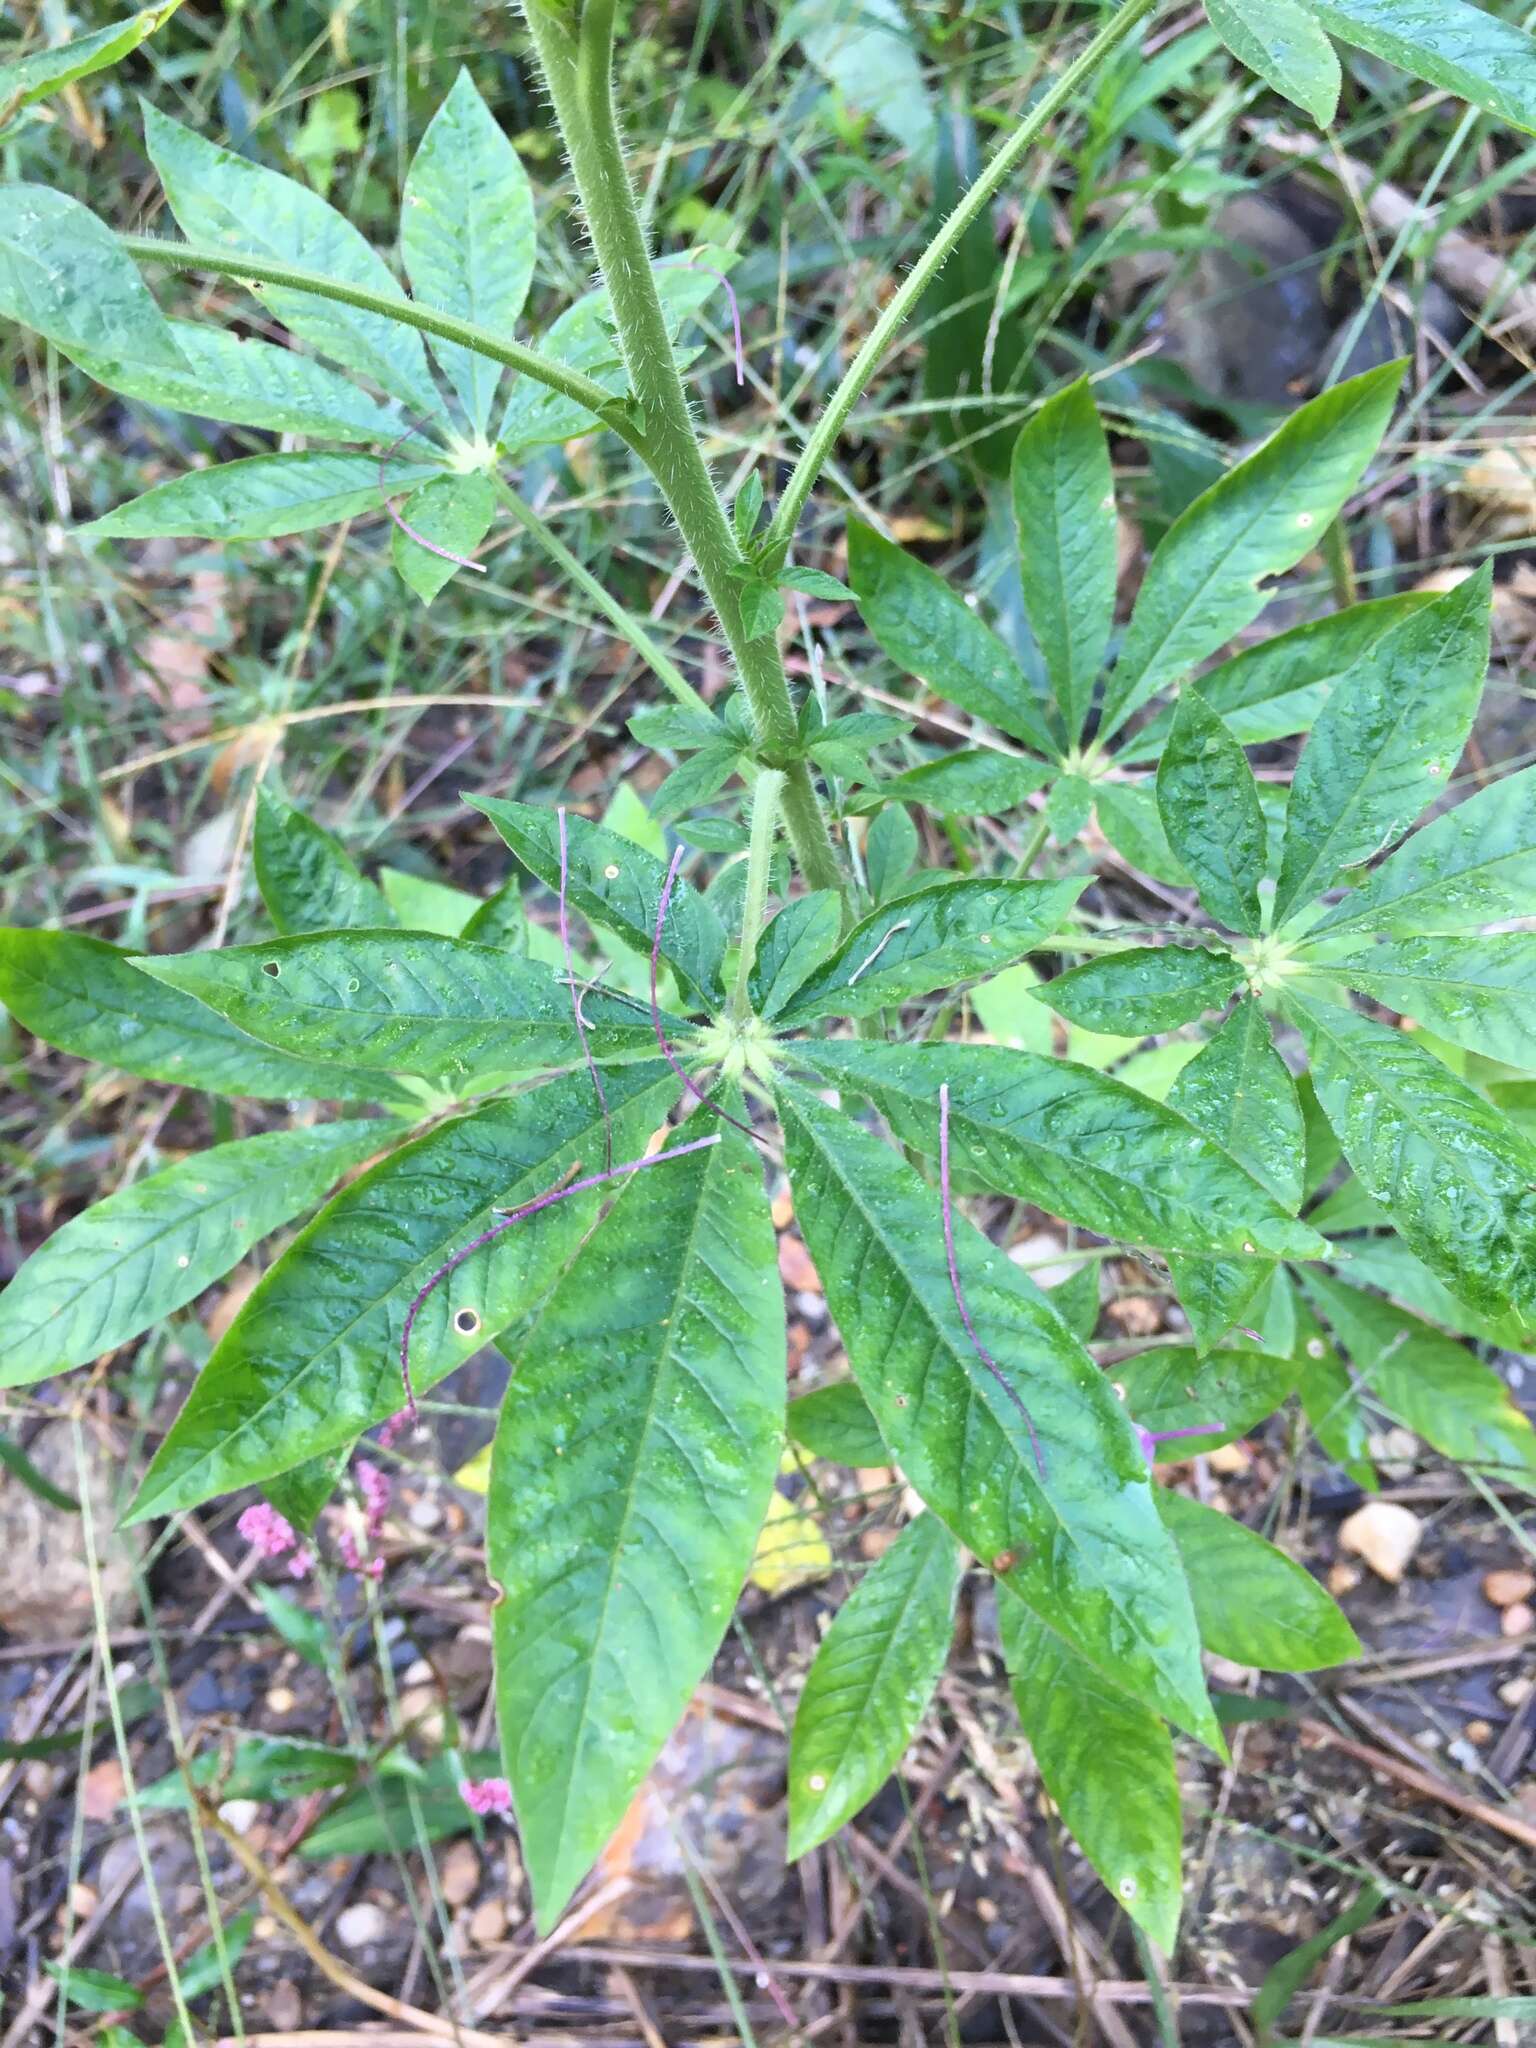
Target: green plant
point(519, 1184)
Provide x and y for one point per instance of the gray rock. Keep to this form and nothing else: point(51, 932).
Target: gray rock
point(45, 1585)
point(1250, 322)
point(1388, 332)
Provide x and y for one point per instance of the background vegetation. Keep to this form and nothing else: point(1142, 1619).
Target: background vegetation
point(1189, 242)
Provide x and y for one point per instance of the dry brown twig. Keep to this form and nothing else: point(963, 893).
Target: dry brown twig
point(1478, 275)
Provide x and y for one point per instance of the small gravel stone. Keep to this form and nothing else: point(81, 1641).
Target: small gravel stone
point(1508, 1588)
point(361, 1926)
point(283, 2006)
point(1518, 1620)
point(1385, 1534)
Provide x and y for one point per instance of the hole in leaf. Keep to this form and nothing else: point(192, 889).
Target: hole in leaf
point(271, 967)
point(466, 1322)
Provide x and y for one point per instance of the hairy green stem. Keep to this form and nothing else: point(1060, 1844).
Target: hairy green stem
point(542, 369)
point(834, 418)
point(576, 56)
point(622, 619)
point(765, 818)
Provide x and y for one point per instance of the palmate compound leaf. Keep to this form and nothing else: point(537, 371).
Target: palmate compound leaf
point(225, 376)
point(1281, 41)
point(931, 937)
point(1476, 989)
point(87, 998)
point(1209, 804)
point(1175, 1391)
point(261, 497)
point(1381, 1259)
point(467, 234)
point(617, 885)
point(1207, 579)
point(1329, 1398)
point(1238, 1090)
point(871, 1682)
point(1386, 741)
point(448, 1010)
point(313, 1358)
point(1064, 508)
point(1107, 1761)
point(835, 1422)
point(1128, 818)
point(1278, 686)
point(229, 202)
point(1254, 1604)
point(299, 1494)
point(1082, 1547)
point(129, 1260)
point(1465, 869)
point(308, 880)
point(928, 629)
point(63, 274)
point(972, 782)
point(867, 54)
point(1456, 1176)
point(1143, 989)
point(1081, 1144)
point(1440, 1389)
point(635, 1456)
point(1466, 49)
point(41, 72)
point(792, 945)
point(454, 512)
point(584, 338)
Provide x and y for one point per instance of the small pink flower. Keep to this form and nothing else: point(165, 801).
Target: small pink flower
point(302, 1563)
point(267, 1532)
point(393, 1427)
point(374, 1488)
point(352, 1551)
point(488, 1796)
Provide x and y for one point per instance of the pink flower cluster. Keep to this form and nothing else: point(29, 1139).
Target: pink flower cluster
point(393, 1428)
point(273, 1535)
point(373, 1486)
point(486, 1796)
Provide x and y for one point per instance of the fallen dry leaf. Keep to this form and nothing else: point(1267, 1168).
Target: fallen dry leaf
point(174, 661)
point(791, 1550)
point(1509, 1587)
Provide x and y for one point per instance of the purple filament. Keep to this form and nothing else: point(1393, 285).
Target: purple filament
point(516, 1216)
point(977, 1346)
point(576, 994)
point(431, 546)
point(662, 1040)
point(1151, 1438)
point(730, 292)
